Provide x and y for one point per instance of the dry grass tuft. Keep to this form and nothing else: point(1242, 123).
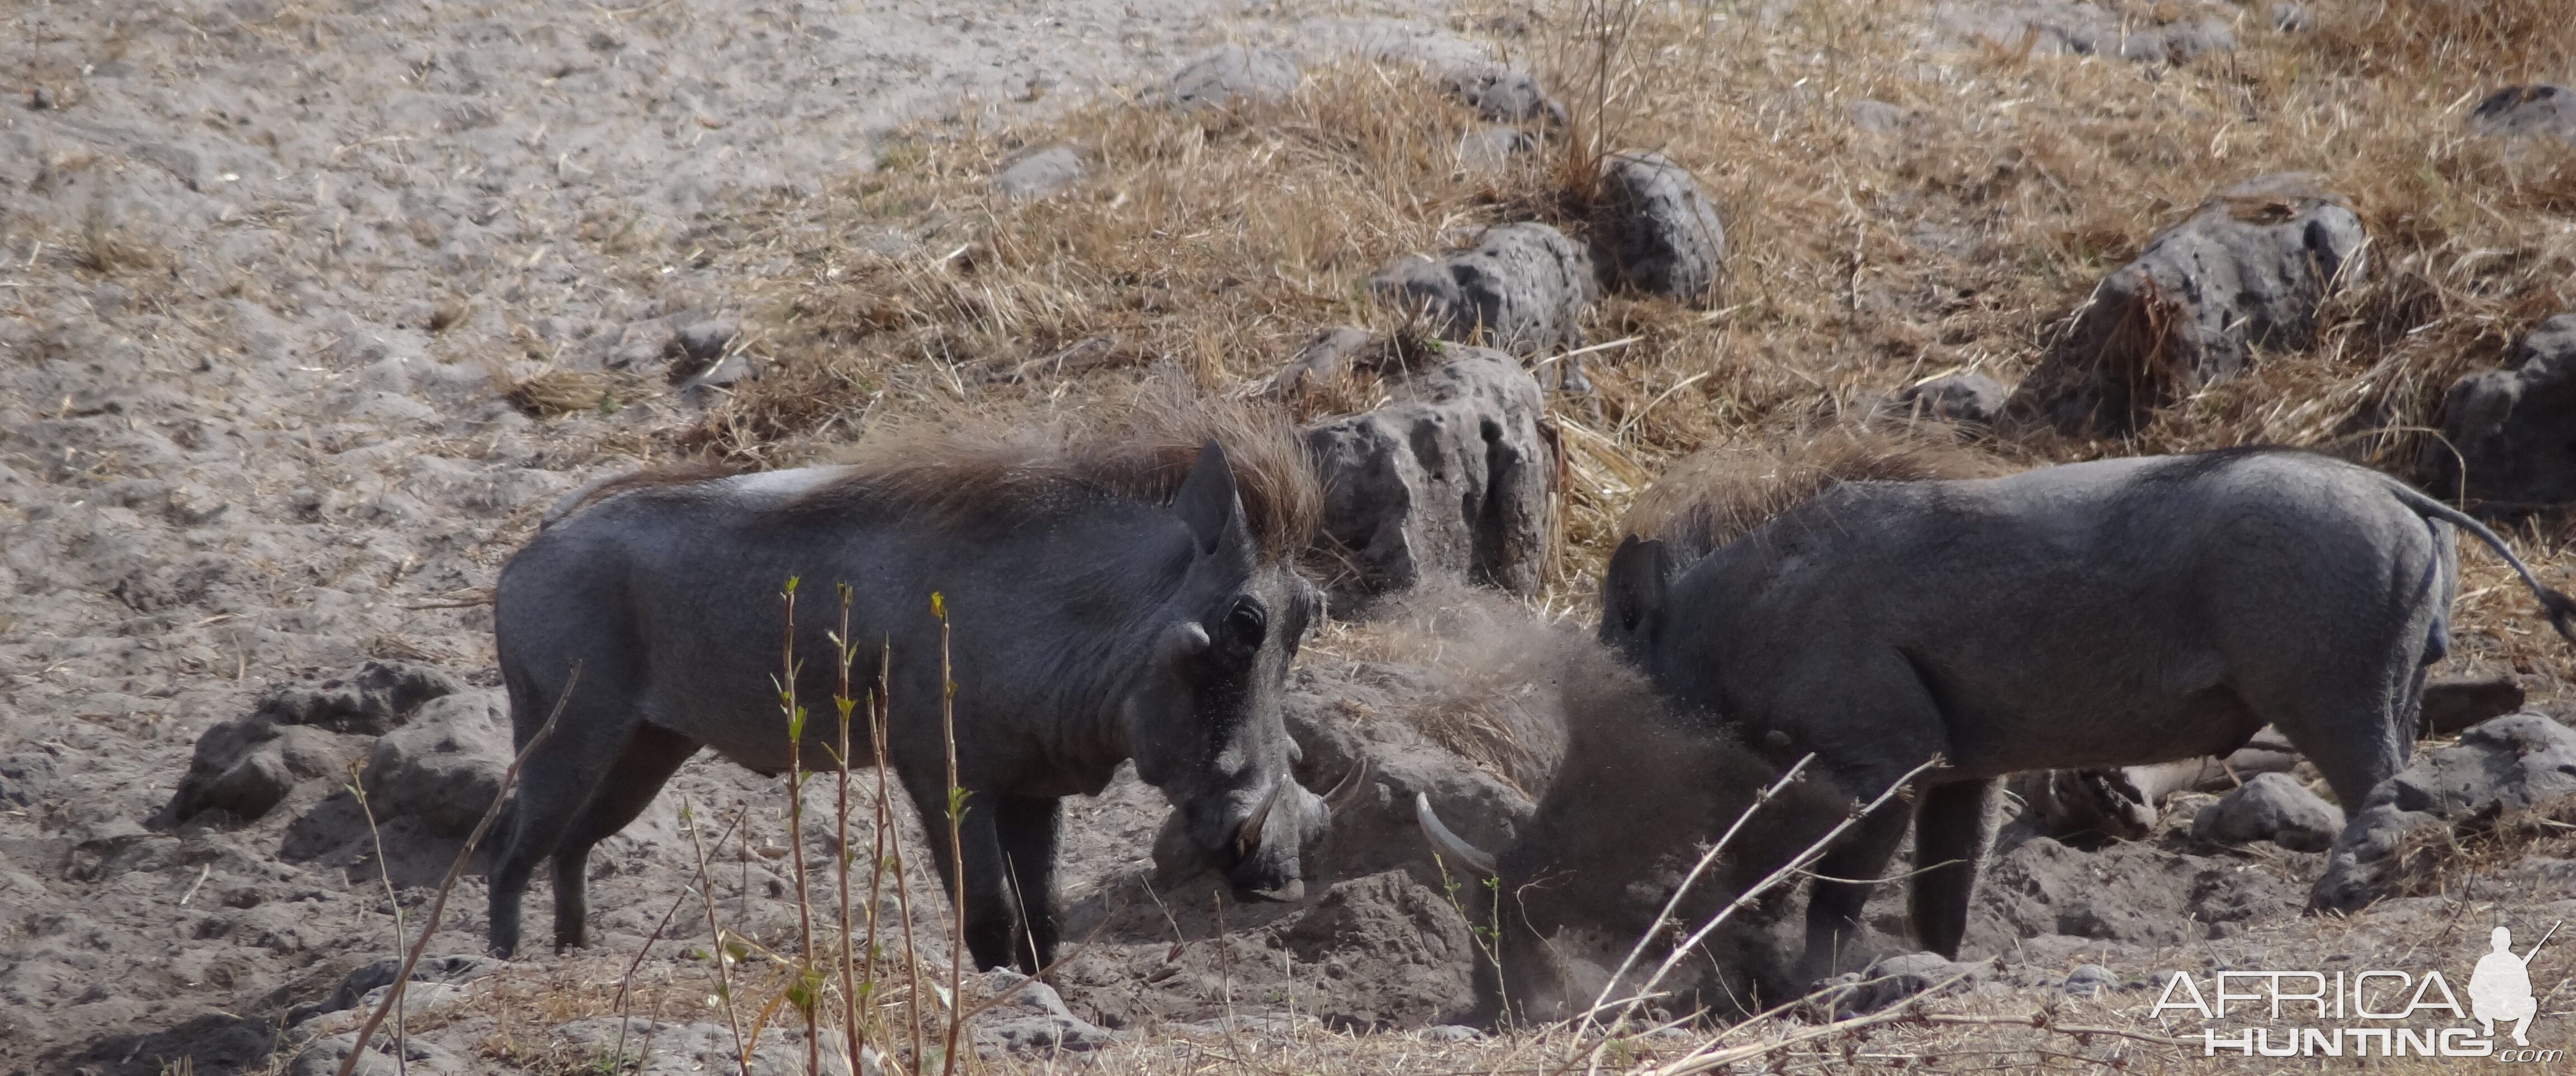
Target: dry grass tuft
point(558, 392)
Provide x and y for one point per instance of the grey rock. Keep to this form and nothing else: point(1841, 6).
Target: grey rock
point(1879, 117)
point(299, 733)
point(1969, 398)
point(1523, 287)
point(1330, 355)
point(1234, 75)
point(1042, 174)
point(1654, 231)
point(668, 1049)
point(1449, 1033)
point(2272, 807)
point(2455, 703)
point(2501, 767)
point(1492, 150)
point(2526, 111)
point(2088, 980)
point(705, 341)
point(1450, 480)
point(2247, 270)
point(1028, 1017)
point(1897, 978)
point(2290, 18)
point(2514, 429)
point(442, 768)
point(2062, 27)
point(1503, 94)
point(454, 969)
point(324, 1056)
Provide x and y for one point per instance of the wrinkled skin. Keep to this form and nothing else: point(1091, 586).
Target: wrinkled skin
point(1087, 630)
point(2113, 613)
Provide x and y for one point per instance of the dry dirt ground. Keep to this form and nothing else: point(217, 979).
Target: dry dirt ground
point(268, 272)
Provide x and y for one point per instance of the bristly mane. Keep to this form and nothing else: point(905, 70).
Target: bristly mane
point(671, 474)
point(1708, 499)
point(966, 465)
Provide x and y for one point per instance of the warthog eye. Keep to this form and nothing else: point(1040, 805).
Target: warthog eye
point(1247, 623)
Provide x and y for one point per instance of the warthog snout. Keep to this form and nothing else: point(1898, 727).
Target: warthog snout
point(1261, 851)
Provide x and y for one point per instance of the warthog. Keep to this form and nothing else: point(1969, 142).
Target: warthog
point(1625, 817)
point(2094, 615)
point(1122, 595)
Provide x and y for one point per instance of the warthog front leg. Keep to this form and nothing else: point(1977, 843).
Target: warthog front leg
point(1027, 827)
point(1844, 877)
point(992, 917)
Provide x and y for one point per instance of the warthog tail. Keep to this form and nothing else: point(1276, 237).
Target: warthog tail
point(2561, 608)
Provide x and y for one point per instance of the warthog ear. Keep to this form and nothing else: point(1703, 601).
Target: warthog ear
point(1207, 502)
point(1632, 589)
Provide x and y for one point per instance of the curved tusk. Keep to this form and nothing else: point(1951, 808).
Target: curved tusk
point(1349, 788)
point(1448, 842)
point(1248, 836)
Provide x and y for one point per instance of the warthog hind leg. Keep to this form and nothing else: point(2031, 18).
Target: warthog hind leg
point(651, 756)
point(1027, 827)
point(1949, 843)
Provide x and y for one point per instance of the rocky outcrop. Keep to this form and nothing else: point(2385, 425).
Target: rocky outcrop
point(1522, 288)
point(2163, 33)
point(2246, 271)
point(1041, 173)
point(2538, 110)
point(1451, 480)
point(299, 732)
point(444, 766)
point(2504, 767)
point(2509, 435)
point(1654, 231)
point(1973, 399)
point(1231, 76)
point(2271, 807)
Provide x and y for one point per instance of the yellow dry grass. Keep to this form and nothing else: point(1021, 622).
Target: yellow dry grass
point(1207, 246)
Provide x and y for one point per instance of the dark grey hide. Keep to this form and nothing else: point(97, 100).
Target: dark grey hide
point(2094, 615)
point(1088, 629)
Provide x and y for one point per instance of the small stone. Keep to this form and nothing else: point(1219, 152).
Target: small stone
point(1503, 94)
point(2527, 111)
point(41, 99)
point(1042, 174)
point(1654, 231)
point(705, 341)
point(444, 767)
point(325, 1056)
point(1522, 287)
point(1967, 398)
point(1491, 150)
point(2272, 807)
point(1234, 75)
point(2509, 435)
point(1449, 1033)
point(1879, 117)
point(1029, 1017)
point(2090, 979)
point(1328, 356)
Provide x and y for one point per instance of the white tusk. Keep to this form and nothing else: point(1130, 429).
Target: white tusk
point(1456, 847)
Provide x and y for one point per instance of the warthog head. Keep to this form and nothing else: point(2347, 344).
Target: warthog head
point(1202, 721)
point(1633, 593)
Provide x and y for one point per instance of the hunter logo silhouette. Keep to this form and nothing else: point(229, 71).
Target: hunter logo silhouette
point(2500, 987)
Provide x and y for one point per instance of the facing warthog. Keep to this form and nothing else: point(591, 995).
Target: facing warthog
point(1122, 594)
point(2100, 614)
